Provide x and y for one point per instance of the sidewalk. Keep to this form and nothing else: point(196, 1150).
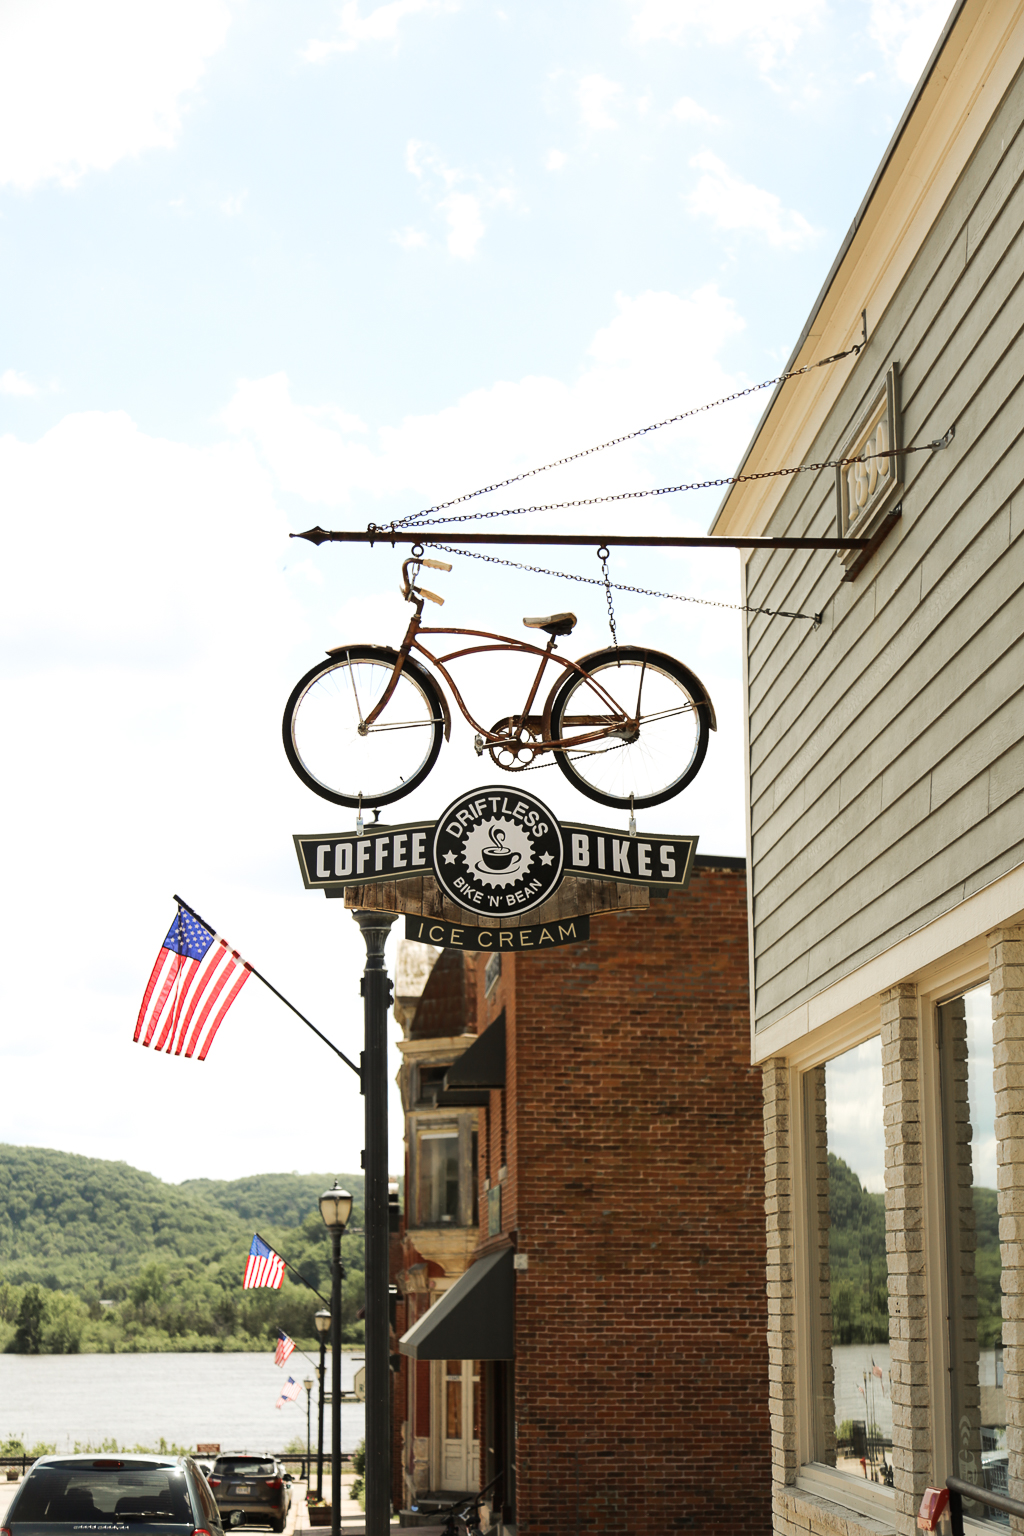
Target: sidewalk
point(7, 1492)
point(353, 1521)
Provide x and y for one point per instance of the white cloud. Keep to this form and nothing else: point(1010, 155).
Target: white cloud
point(768, 27)
point(465, 226)
point(232, 206)
point(462, 210)
point(82, 86)
point(906, 31)
point(594, 95)
point(12, 383)
point(658, 354)
point(555, 159)
point(380, 25)
point(689, 111)
point(409, 238)
point(732, 204)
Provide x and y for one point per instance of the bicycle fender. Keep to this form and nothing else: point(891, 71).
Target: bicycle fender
point(701, 693)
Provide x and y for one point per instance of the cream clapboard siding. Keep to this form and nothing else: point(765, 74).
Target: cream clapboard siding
point(886, 753)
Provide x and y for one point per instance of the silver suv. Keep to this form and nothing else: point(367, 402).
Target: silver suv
point(141, 1495)
point(251, 1490)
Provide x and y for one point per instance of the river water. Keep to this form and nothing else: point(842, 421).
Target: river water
point(137, 1399)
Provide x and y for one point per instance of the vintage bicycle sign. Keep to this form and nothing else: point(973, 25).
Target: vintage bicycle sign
point(501, 874)
point(628, 726)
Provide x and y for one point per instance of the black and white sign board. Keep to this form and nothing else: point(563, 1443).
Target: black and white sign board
point(494, 852)
point(539, 936)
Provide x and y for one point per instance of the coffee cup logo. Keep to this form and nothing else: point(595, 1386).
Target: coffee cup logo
point(497, 853)
point(495, 858)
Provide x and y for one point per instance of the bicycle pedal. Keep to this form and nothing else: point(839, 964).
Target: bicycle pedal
point(478, 745)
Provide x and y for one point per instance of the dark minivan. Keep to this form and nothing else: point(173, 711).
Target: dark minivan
point(140, 1494)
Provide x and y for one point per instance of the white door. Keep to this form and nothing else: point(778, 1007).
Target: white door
point(458, 1421)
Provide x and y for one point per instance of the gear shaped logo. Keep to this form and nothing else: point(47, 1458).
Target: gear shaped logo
point(497, 853)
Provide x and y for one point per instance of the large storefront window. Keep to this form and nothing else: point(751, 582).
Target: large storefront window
point(848, 1269)
point(972, 1245)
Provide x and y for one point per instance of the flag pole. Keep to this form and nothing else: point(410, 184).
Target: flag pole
point(280, 995)
point(284, 1261)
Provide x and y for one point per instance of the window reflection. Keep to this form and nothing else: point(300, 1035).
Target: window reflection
point(849, 1270)
point(972, 1246)
point(438, 1194)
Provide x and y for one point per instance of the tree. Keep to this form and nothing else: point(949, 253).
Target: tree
point(28, 1330)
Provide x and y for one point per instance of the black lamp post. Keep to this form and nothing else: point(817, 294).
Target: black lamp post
point(307, 1382)
point(336, 1208)
point(322, 1319)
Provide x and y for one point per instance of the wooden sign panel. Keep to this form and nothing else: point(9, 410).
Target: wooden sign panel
point(423, 897)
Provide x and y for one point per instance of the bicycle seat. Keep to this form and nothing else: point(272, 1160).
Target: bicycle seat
point(554, 624)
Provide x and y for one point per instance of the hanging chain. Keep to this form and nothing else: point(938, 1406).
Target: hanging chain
point(602, 555)
point(664, 490)
point(413, 518)
point(615, 586)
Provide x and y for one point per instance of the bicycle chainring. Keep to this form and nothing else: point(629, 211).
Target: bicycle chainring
point(514, 754)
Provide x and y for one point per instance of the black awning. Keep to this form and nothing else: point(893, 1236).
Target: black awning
point(483, 1065)
point(472, 1321)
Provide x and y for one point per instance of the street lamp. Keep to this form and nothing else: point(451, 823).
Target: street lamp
point(322, 1319)
point(307, 1382)
point(336, 1208)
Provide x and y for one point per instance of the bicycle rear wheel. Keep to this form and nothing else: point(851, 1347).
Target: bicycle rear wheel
point(336, 754)
point(655, 759)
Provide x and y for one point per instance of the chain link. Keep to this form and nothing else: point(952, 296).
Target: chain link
point(664, 490)
point(412, 520)
point(602, 555)
point(618, 586)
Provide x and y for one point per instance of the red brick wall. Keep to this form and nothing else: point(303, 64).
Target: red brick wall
point(635, 1189)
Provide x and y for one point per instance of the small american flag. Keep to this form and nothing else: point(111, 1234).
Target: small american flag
point(262, 1267)
point(285, 1345)
point(289, 1392)
point(195, 980)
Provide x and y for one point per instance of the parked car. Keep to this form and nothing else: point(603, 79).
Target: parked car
point(251, 1490)
point(144, 1493)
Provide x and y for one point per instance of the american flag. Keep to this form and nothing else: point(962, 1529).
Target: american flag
point(289, 1392)
point(285, 1345)
point(262, 1267)
point(195, 980)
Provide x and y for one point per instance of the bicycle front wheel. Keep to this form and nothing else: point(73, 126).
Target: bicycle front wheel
point(660, 749)
point(332, 749)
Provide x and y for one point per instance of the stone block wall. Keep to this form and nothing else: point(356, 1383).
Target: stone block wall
point(904, 1242)
point(1006, 978)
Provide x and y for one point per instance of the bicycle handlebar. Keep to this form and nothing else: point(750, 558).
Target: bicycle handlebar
point(409, 586)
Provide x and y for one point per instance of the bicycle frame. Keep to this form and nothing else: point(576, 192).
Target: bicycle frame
point(620, 720)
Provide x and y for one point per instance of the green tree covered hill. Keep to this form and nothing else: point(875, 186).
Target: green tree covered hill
point(98, 1255)
point(857, 1261)
point(284, 1199)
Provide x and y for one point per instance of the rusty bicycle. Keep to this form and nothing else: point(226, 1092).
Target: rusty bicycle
point(628, 726)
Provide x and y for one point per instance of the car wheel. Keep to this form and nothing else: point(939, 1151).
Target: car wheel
point(278, 1526)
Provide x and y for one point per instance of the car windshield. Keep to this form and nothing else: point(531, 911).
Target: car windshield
point(244, 1466)
point(84, 1494)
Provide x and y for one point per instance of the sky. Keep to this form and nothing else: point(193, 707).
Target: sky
point(266, 266)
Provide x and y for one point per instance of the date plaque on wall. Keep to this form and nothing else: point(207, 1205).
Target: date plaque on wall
point(869, 488)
